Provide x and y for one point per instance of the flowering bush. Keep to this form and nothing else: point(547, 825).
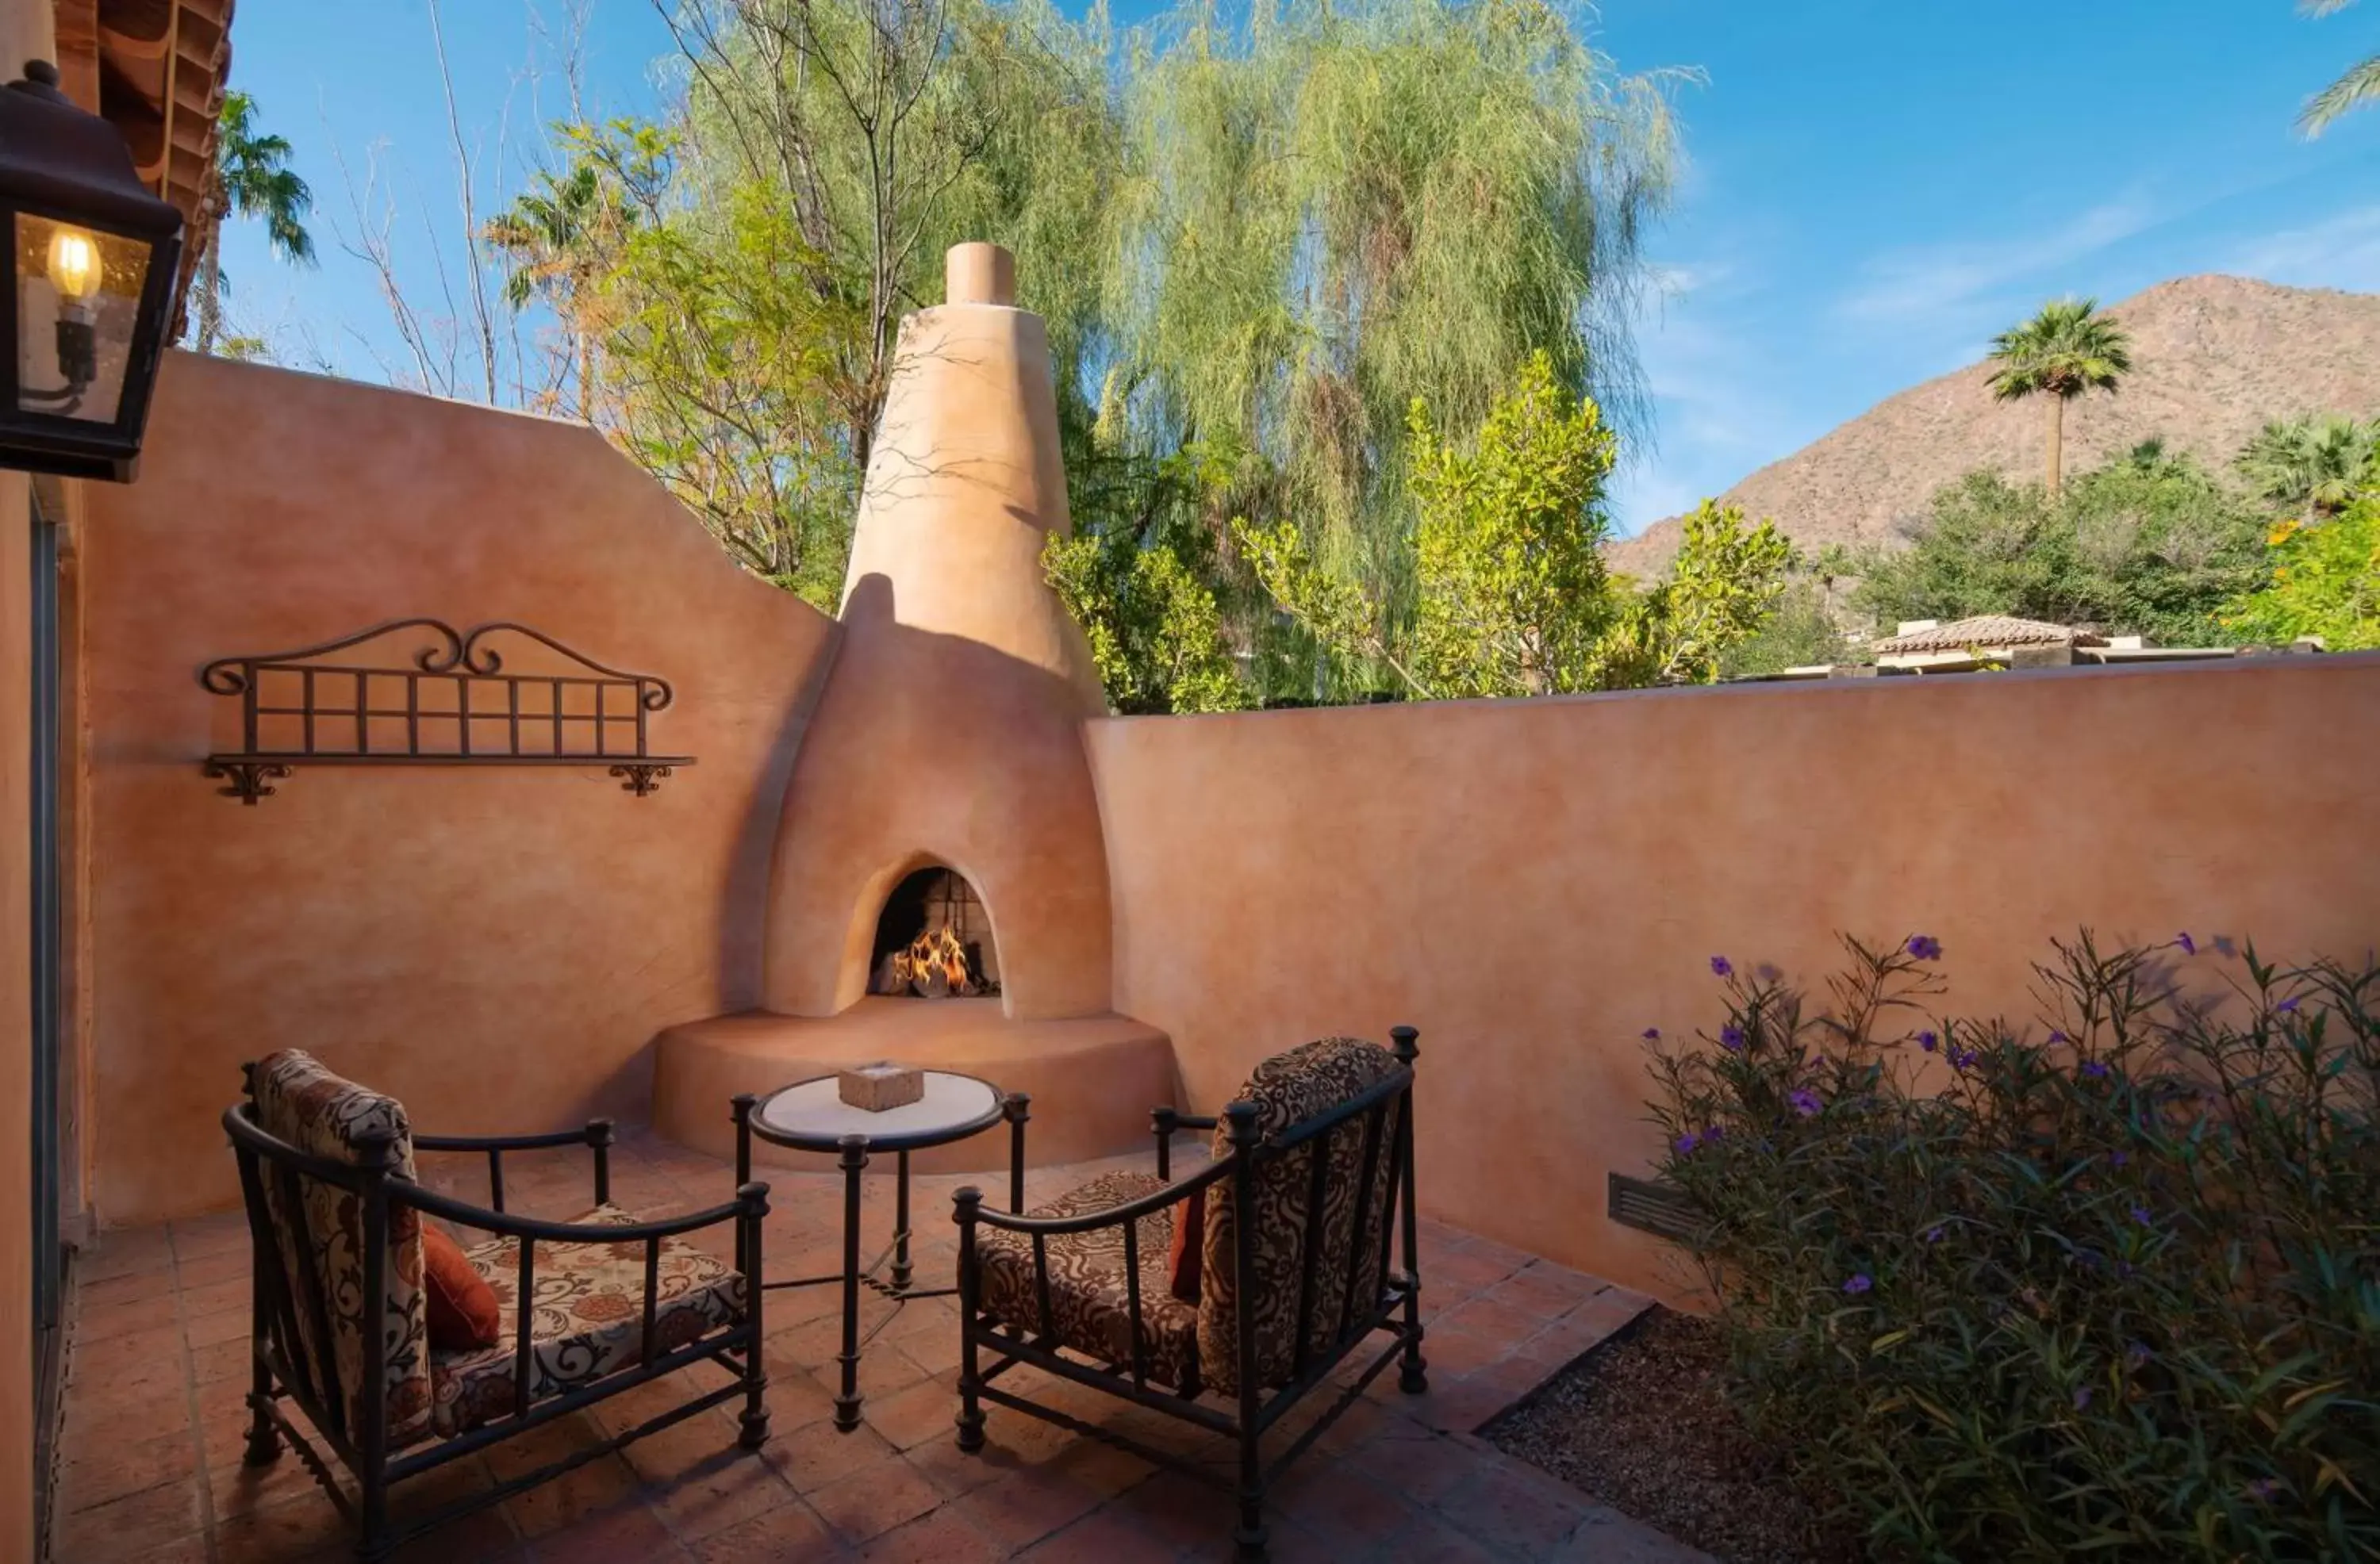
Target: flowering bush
point(2106, 1286)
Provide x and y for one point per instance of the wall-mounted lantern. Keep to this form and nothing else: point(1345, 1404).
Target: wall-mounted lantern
point(88, 260)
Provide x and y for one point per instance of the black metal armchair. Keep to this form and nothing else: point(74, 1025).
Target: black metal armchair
point(340, 1328)
point(1312, 1179)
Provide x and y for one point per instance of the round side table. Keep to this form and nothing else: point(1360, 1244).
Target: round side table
point(811, 1116)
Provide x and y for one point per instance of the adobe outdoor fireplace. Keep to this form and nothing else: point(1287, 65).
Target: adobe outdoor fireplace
point(934, 940)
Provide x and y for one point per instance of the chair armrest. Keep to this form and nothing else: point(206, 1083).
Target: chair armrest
point(752, 1200)
point(1114, 1215)
point(596, 1135)
point(596, 1132)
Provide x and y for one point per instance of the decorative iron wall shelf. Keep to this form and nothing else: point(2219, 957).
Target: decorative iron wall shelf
point(452, 705)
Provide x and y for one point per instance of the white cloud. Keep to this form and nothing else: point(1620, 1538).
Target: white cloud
point(1925, 284)
point(2341, 251)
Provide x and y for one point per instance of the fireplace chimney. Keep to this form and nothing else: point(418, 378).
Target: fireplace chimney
point(949, 732)
point(977, 273)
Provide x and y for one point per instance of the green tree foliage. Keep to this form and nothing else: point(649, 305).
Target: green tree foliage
point(2067, 349)
point(1511, 596)
point(2358, 86)
point(2150, 544)
point(1802, 631)
point(1339, 208)
point(251, 178)
point(2312, 467)
point(2326, 582)
point(1154, 627)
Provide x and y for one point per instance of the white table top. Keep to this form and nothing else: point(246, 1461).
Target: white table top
point(814, 1110)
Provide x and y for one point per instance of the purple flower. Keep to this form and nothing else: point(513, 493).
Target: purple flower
point(1805, 1102)
point(2082, 1397)
point(2135, 1354)
point(2289, 1005)
point(2056, 1038)
point(1934, 1234)
point(1722, 967)
point(2096, 1069)
point(2118, 1159)
point(1927, 1041)
point(2189, 946)
point(1924, 947)
point(1962, 1058)
point(2141, 1214)
point(1860, 1283)
point(2224, 947)
point(2262, 1488)
point(1731, 1038)
point(1766, 973)
point(1652, 1034)
point(1686, 1143)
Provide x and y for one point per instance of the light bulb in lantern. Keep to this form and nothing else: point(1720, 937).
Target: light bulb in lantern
point(74, 265)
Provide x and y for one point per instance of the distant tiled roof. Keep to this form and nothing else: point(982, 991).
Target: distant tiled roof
point(1988, 630)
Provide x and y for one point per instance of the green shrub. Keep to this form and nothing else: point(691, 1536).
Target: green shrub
point(2106, 1286)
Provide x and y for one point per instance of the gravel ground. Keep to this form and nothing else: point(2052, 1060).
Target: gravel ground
point(1640, 1424)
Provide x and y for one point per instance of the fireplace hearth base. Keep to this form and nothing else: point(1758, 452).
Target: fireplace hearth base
point(1093, 1079)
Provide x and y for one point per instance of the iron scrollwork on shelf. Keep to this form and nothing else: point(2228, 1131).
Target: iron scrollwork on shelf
point(453, 702)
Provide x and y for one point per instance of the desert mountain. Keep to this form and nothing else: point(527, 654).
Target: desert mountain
point(2213, 358)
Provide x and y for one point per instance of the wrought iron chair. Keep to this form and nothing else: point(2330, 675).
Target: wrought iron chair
point(587, 1308)
point(1311, 1181)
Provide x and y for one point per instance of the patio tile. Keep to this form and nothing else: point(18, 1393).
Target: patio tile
point(130, 1527)
point(1106, 1537)
point(812, 1457)
point(631, 1532)
point(790, 1535)
point(155, 1424)
point(875, 1499)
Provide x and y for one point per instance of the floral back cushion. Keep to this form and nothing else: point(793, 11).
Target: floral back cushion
point(1288, 1090)
point(300, 1102)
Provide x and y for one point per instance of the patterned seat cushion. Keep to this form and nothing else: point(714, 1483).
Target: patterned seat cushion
point(586, 1318)
point(302, 1103)
point(1089, 1305)
point(1288, 1090)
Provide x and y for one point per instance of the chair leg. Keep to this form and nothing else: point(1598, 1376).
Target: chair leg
point(1250, 1538)
point(753, 1423)
point(371, 1524)
point(1413, 1369)
point(264, 1437)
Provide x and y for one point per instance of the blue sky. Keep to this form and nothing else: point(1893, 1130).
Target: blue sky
point(1874, 185)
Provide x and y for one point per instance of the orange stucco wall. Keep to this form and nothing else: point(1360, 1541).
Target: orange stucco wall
point(496, 946)
point(1534, 883)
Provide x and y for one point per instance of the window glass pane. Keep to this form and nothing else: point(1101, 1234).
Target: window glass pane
point(78, 300)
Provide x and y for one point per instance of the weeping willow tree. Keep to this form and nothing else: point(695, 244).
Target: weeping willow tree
point(1333, 209)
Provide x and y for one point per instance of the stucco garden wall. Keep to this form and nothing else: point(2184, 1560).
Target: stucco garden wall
point(497, 946)
point(1534, 884)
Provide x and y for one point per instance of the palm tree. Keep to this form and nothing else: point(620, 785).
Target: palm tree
point(555, 235)
point(252, 177)
point(2312, 467)
point(2361, 85)
point(2066, 350)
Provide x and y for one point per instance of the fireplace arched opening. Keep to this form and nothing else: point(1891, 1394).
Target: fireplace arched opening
point(934, 939)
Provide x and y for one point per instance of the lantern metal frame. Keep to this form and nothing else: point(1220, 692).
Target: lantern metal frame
point(59, 162)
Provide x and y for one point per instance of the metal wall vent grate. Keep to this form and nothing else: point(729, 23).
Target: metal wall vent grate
point(1650, 1206)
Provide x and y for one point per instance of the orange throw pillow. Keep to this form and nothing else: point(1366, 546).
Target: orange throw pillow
point(1189, 1246)
point(462, 1305)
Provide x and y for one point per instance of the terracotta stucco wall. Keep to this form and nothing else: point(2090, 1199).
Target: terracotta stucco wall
point(496, 946)
point(1534, 883)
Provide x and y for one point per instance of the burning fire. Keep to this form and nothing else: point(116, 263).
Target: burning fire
point(934, 966)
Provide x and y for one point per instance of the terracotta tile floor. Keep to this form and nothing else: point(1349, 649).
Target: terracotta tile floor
point(148, 1451)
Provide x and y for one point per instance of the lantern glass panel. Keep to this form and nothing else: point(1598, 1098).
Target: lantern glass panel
point(78, 293)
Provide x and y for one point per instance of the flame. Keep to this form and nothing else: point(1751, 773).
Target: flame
point(933, 965)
